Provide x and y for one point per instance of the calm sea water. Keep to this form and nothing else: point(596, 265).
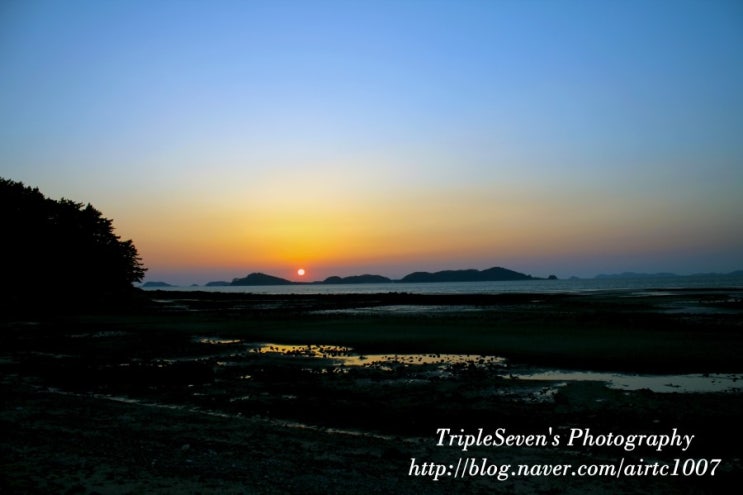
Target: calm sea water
point(656, 383)
point(541, 286)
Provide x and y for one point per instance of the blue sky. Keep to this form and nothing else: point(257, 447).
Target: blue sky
point(568, 137)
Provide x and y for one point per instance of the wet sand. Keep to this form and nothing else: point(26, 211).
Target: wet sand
point(180, 397)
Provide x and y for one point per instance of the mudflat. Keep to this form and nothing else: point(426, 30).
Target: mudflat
point(242, 393)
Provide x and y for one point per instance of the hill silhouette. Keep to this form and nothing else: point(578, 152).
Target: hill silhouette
point(46, 241)
point(156, 284)
point(357, 279)
point(495, 274)
point(260, 279)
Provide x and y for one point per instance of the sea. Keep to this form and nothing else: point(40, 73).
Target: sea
point(525, 286)
point(707, 382)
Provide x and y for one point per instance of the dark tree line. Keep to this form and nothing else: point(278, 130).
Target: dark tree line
point(60, 251)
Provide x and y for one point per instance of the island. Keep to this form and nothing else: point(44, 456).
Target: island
point(260, 279)
point(156, 284)
point(495, 274)
point(358, 279)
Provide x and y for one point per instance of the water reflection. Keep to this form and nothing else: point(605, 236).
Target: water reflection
point(346, 356)
point(693, 383)
point(216, 341)
point(400, 309)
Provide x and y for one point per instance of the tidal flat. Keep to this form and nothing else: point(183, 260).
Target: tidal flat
point(246, 393)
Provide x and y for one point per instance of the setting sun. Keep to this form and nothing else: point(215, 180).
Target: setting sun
point(301, 272)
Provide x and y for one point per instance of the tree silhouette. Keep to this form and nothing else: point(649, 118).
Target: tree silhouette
point(61, 251)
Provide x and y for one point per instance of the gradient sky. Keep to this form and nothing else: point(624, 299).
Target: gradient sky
point(348, 137)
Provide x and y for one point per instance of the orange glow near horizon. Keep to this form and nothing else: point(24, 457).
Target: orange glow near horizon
point(282, 149)
point(422, 229)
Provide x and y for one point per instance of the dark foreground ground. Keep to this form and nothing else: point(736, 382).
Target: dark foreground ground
point(180, 396)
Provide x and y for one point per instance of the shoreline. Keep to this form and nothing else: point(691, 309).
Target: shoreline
point(663, 331)
point(172, 397)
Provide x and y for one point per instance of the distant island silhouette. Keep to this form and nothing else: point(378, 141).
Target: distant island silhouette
point(156, 284)
point(495, 274)
point(358, 279)
point(260, 279)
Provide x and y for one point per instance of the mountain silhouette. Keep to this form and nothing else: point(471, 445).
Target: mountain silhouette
point(357, 279)
point(495, 274)
point(156, 284)
point(260, 279)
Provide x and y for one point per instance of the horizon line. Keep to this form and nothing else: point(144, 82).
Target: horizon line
point(626, 273)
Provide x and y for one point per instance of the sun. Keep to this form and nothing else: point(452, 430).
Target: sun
point(301, 272)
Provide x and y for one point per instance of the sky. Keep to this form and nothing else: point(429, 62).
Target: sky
point(372, 136)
